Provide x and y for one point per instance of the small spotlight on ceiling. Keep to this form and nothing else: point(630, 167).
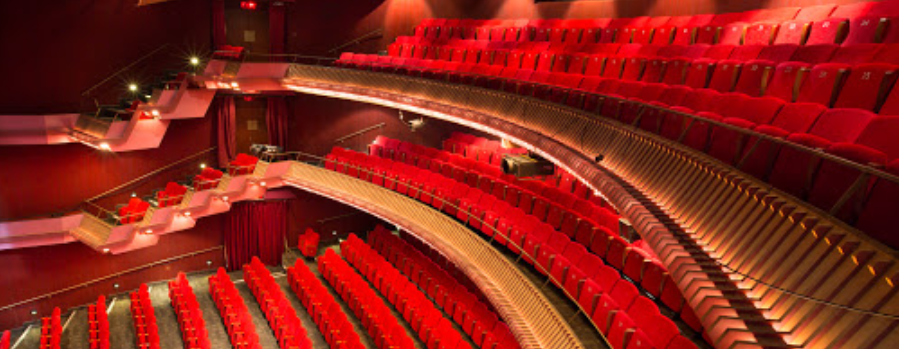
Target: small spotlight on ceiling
point(105, 146)
point(132, 87)
point(194, 61)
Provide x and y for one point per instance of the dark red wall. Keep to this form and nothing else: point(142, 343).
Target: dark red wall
point(49, 178)
point(36, 271)
point(54, 50)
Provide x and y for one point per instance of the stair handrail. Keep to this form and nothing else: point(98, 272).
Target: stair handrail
point(360, 132)
point(370, 35)
point(87, 92)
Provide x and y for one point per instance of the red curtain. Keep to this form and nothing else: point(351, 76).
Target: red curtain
point(218, 23)
point(256, 229)
point(276, 29)
point(226, 125)
point(276, 118)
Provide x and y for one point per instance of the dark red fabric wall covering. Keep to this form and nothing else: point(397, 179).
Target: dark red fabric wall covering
point(31, 272)
point(225, 128)
point(276, 17)
point(256, 229)
point(47, 178)
point(277, 120)
point(54, 50)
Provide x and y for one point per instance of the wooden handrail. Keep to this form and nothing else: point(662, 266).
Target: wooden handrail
point(356, 41)
point(120, 71)
point(110, 276)
point(150, 174)
point(360, 132)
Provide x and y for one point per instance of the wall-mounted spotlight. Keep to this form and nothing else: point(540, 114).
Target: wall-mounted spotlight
point(155, 113)
point(105, 250)
point(194, 61)
point(132, 87)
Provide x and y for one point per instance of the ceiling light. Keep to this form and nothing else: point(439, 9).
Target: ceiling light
point(132, 87)
point(194, 61)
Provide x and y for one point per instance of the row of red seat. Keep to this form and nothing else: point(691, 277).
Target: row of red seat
point(97, 324)
point(370, 309)
point(207, 179)
point(281, 316)
point(322, 307)
point(863, 22)
point(424, 276)
point(537, 241)
point(5, 340)
point(308, 243)
point(234, 312)
point(469, 146)
point(51, 331)
point(188, 313)
point(527, 195)
point(850, 133)
point(134, 211)
point(243, 164)
point(172, 195)
point(144, 318)
point(426, 320)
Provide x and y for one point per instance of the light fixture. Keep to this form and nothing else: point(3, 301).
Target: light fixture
point(262, 183)
point(234, 84)
point(203, 165)
point(208, 262)
point(248, 5)
point(34, 312)
point(333, 232)
point(105, 146)
point(194, 60)
point(149, 231)
point(105, 250)
point(134, 194)
point(116, 286)
point(155, 112)
point(148, 96)
point(187, 214)
point(132, 87)
point(224, 198)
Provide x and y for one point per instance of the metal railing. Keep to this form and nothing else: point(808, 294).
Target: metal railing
point(374, 34)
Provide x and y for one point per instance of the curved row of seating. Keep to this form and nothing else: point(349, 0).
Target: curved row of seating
point(234, 312)
point(471, 147)
point(852, 23)
point(145, 329)
point(322, 307)
point(97, 325)
point(281, 316)
point(704, 101)
point(566, 258)
point(422, 274)
point(426, 320)
point(369, 308)
point(188, 313)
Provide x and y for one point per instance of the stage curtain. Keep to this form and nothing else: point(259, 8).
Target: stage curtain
point(226, 125)
point(276, 29)
point(256, 229)
point(277, 116)
point(218, 24)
